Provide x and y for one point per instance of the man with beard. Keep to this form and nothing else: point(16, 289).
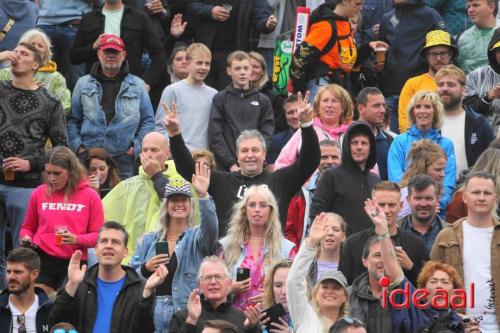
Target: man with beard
point(110, 108)
point(410, 250)
point(470, 132)
point(439, 51)
point(23, 308)
point(423, 198)
point(298, 222)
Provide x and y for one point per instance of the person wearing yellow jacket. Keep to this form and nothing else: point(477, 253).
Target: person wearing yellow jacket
point(47, 75)
point(439, 51)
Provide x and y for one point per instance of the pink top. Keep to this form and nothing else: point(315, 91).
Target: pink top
point(289, 153)
point(82, 214)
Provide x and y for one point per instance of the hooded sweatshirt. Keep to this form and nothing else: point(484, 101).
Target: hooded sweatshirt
point(482, 80)
point(233, 111)
point(344, 189)
point(24, 13)
point(81, 213)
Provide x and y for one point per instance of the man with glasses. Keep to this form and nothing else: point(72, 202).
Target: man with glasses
point(215, 285)
point(111, 108)
point(23, 308)
point(439, 51)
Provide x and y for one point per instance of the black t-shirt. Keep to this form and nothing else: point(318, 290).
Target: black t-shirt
point(166, 287)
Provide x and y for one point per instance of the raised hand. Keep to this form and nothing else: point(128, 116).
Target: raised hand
point(318, 230)
point(304, 108)
point(171, 120)
point(155, 280)
point(201, 179)
point(194, 307)
point(377, 216)
point(252, 314)
point(177, 28)
point(75, 273)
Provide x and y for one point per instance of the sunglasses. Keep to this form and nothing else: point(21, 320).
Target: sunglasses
point(63, 330)
point(21, 321)
point(346, 322)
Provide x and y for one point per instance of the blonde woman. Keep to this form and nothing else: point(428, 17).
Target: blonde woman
point(425, 113)
point(255, 242)
point(329, 296)
point(333, 112)
point(47, 75)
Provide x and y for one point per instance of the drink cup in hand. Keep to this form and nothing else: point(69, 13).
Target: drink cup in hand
point(227, 7)
point(60, 231)
point(8, 174)
point(94, 182)
point(380, 53)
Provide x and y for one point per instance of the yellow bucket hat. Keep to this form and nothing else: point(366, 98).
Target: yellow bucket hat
point(438, 38)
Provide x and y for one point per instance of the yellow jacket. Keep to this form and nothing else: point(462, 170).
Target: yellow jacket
point(411, 87)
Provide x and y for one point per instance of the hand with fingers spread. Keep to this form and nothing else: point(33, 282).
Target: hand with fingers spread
point(155, 262)
point(201, 180)
point(155, 280)
point(75, 273)
point(318, 230)
point(177, 27)
point(194, 307)
point(252, 314)
point(304, 108)
point(171, 120)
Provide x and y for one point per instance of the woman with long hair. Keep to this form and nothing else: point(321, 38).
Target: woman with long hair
point(183, 245)
point(424, 157)
point(425, 114)
point(328, 301)
point(333, 111)
point(489, 162)
point(47, 75)
point(102, 170)
point(328, 256)
point(63, 215)
point(275, 293)
point(254, 242)
point(177, 66)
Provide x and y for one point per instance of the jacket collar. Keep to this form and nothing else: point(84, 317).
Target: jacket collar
point(224, 307)
point(43, 299)
point(131, 276)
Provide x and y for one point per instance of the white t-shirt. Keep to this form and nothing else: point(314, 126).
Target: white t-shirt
point(454, 129)
point(477, 269)
point(29, 316)
point(112, 21)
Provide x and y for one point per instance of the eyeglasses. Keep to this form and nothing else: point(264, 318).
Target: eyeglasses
point(442, 54)
point(63, 330)
point(209, 278)
point(261, 205)
point(21, 321)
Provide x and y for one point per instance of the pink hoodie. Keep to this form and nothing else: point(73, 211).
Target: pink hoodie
point(82, 213)
point(289, 153)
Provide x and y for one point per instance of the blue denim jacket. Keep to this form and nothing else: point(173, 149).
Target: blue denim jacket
point(133, 116)
point(195, 244)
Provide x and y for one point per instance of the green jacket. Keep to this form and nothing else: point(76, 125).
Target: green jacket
point(51, 79)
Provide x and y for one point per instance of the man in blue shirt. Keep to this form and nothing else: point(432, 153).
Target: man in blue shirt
point(108, 297)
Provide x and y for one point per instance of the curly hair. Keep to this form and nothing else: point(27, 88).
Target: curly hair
point(422, 154)
point(342, 95)
point(434, 99)
point(268, 297)
point(431, 267)
point(239, 227)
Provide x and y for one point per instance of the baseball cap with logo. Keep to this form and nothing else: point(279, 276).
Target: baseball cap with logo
point(177, 186)
point(109, 41)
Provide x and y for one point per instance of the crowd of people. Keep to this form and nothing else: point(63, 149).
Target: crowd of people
point(155, 180)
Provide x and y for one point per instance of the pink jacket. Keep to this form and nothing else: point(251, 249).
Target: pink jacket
point(82, 213)
point(289, 153)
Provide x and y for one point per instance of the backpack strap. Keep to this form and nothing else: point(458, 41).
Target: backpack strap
point(6, 28)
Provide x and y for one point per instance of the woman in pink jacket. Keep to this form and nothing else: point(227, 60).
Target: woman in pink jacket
point(333, 108)
point(64, 215)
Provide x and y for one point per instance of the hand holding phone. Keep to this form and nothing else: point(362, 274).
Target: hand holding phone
point(274, 314)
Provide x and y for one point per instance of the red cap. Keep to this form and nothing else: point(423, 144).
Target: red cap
point(110, 41)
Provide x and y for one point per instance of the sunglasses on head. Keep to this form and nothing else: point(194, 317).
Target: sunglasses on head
point(63, 330)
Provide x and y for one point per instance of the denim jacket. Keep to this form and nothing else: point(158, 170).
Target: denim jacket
point(132, 121)
point(193, 245)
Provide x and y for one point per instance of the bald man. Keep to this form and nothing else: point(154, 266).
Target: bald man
point(134, 202)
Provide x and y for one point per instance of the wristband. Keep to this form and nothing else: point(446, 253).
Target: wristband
point(383, 236)
point(309, 123)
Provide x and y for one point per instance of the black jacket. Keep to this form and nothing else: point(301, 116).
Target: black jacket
point(251, 13)
point(224, 312)
point(344, 189)
point(233, 111)
point(227, 188)
point(352, 252)
point(404, 28)
point(42, 314)
point(478, 135)
point(137, 33)
point(131, 312)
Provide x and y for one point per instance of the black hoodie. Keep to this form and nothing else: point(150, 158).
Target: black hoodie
point(344, 189)
point(492, 60)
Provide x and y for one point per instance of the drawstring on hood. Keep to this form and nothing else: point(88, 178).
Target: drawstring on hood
point(359, 127)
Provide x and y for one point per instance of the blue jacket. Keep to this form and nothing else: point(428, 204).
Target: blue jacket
point(24, 13)
point(478, 135)
point(195, 244)
point(42, 314)
point(132, 121)
point(404, 29)
point(401, 145)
